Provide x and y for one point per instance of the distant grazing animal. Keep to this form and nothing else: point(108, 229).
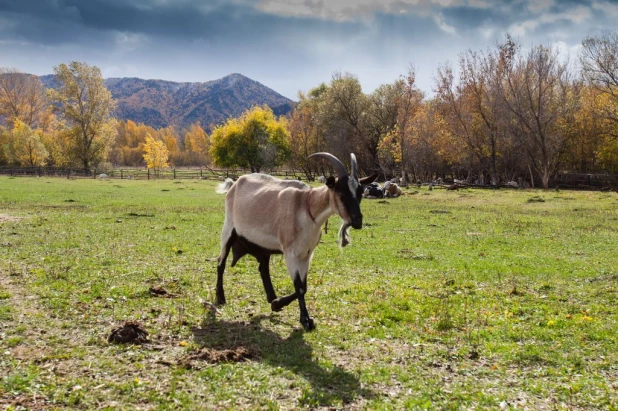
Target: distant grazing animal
point(102, 176)
point(391, 190)
point(321, 179)
point(265, 215)
point(373, 190)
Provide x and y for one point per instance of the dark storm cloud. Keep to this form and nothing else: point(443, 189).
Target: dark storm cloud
point(286, 44)
point(60, 21)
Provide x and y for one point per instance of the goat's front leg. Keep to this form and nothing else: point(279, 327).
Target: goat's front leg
point(298, 268)
point(281, 302)
point(300, 284)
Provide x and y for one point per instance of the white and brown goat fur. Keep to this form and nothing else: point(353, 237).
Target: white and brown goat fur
point(265, 216)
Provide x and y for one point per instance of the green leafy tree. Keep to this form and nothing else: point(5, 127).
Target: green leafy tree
point(255, 140)
point(86, 105)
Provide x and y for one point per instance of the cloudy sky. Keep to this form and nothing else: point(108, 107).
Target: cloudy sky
point(288, 45)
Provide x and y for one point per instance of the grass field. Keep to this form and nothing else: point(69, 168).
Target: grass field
point(444, 300)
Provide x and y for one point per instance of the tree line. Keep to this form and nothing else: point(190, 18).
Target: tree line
point(500, 114)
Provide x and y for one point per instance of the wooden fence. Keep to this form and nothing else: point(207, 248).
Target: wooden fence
point(141, 173)
point(566, 181)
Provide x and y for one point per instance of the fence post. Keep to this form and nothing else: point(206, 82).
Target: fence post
point(174, 174)
point(121, 174)
point(200, 173)
point(148, 174)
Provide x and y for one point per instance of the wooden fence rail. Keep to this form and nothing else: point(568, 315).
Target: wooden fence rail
point(567, 180)
point(140, 173)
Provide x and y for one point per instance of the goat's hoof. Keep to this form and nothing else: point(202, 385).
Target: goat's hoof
point(276, 306)
point(308, 324)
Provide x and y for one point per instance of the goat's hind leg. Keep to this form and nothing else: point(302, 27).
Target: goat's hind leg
point(242, 247)
point(228, 237)
point(264, 260)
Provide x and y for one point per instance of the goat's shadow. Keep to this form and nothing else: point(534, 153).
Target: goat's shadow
point(328, 386)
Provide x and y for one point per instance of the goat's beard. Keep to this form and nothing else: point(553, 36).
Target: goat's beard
point(344, 235)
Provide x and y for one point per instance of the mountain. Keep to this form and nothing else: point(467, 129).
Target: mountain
point(159, 103)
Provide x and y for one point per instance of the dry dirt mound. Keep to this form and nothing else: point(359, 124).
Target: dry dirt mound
point(132, 332)
point(159, 291)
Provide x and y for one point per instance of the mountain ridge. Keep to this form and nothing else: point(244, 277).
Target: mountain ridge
point(161, 103)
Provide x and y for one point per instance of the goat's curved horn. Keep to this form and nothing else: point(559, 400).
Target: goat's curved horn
point(354, 166)
point(334, 161)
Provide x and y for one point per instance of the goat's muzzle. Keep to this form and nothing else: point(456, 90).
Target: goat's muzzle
point(357, 223)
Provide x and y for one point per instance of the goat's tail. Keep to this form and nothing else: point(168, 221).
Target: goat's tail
point(225, 186)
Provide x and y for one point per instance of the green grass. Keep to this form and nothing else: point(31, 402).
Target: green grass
point(444, 300)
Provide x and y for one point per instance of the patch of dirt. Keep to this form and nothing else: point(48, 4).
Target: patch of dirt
point(27, 353)
point(24, 402)
point(406, 253)
point(5, 218)
point(132, 332)
point(214, 356)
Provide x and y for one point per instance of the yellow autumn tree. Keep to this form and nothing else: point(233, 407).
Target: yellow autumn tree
point(156, 154)
point(196, 140)
point(24, 146)
point(85, 105)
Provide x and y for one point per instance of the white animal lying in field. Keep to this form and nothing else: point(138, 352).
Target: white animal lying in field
point(391, 189)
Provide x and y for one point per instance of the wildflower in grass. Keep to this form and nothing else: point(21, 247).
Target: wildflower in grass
point(551, 323)
point(586, 318)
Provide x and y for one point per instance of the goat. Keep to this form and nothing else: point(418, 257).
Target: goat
point(373, 190)
point(321, 179)
point(391, 189)
point(265, 216)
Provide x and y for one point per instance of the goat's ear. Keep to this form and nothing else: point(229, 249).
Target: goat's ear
point(368, 180)
point(330, 182)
